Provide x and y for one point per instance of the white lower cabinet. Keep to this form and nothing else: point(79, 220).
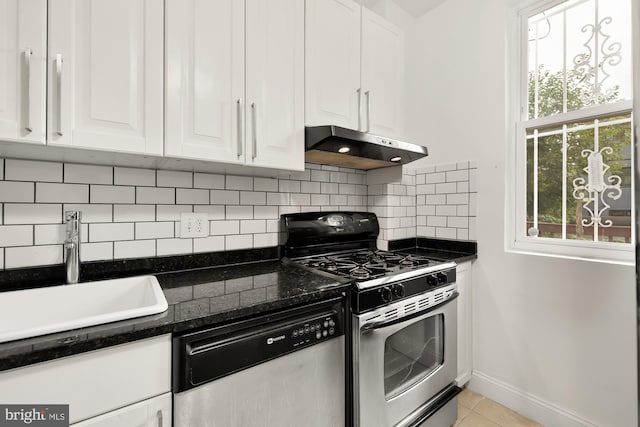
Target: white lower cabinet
point(155, 412)
point(465, 337)
point(124, 385)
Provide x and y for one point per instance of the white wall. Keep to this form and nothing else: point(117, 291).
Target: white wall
point(553, 339)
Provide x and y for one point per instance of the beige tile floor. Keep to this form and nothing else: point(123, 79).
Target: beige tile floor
point(475, 410)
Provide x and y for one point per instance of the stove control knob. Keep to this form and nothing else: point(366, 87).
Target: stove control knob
point(399, 290)
point(442, 278)
point(432, 280)
point(385, 294)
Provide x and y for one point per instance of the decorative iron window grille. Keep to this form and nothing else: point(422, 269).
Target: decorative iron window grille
point(575, 134)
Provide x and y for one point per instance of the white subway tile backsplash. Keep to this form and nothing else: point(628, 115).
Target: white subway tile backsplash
point(241, 241)
point(426, 210)
point(239, 212)
point(102, 251)
point(155, 196)
point(187, 196)
point(309, 187)
point(320, 176)
point(265, 184)
point(27, 256)
point(353, 178)
point(218, 228)
point(446, 167)
point(253, 198)
point(459, 175)
point(473, 180)
point(446, 233)
point(154, 230)
point(300, 199)
point(18, 213)
point(457, 222)
point(329, 188)
point(446, 210)
point(223, 197)
point(111, 232)
point(172, 212)
point(88, 174)
point(320, 199)
point(134, 249)
point(11, 191)
point(301, 176)
point(91, 213)
point(338, 199)
point(278, 199)
point(1, 178)
point(174, 246)
point(239, 183)
point(273, 225)
point(287, 186)
point(265, 240)
point(435, 178)
point(447, 188)
point(347, 189)
point(339, 177)
point(135, 177)
point(213, 212)
point(329, 168)
point(437, 221)
point(426, 189)
point(28, 170)
point(463, 234)
point(440, 199)
point(208, 244)
point(50, 234)
point(208, 180)
point(66, 193)
point(112, 194)
point(462, 187)
point(293, 209)
point(457, 199)
point(134, 213)
point(426, 231)
point(265, 212)
point(16, 235)
point(166, 178)
point(253, 226)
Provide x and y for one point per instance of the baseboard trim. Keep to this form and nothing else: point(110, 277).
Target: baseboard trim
point(530, 406)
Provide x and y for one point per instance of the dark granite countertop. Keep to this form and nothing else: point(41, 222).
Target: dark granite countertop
point(439, 249)
point(197, 298)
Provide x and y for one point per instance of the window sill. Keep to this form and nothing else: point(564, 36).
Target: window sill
point(618, 254)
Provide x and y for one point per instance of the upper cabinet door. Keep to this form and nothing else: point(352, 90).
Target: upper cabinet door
point(23, 52)
point(382, 75)
point(333, 63)
point(275, 83)
point(205, 80)
point(106, 75)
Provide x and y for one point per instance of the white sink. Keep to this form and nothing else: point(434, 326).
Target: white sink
point(34, 312)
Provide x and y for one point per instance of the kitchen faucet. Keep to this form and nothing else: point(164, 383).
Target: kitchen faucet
point(72, 245)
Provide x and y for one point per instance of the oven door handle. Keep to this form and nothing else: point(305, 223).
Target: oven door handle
point(369, 327)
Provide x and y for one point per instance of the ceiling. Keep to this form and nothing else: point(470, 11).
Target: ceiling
point(418, 8)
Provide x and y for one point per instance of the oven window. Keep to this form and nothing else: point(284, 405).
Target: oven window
point(412, 353)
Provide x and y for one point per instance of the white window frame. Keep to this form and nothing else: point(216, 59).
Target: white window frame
point(516, 238)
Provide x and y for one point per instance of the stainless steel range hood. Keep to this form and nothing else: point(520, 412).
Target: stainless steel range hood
point(333, 145)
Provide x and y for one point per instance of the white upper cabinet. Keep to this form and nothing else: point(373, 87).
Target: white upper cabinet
point(23, 52)
point(275, 83)
point(354, 68)
point(382, 74)
point(333, 63)
point(205, 80)
point(105, 79)
point(235, 82)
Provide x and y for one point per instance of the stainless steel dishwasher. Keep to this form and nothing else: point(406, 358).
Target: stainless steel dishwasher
point(281, 369)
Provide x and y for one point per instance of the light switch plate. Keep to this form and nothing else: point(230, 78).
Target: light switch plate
point(194, 225)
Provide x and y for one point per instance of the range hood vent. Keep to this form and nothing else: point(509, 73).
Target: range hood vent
point(337, 146)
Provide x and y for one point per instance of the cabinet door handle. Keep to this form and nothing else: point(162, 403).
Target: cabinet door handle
point(59, 93)
point(254, 126)
point(159, 415)
point(239, 106)
point(358, 92)
point(27, 94)
point(368, 96)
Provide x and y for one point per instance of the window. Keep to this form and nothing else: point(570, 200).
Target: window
point(573, 175)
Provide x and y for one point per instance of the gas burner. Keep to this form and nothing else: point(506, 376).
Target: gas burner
point(413, 260)
point(360, 272)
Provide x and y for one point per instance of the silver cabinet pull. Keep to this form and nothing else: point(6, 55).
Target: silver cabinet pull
point(358, 91)
point(254, 126)
point(159, 414)
point(59, 93)
point(367, 95)
point(27, 95)
point(239, 106)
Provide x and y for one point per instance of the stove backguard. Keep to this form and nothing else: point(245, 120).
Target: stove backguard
point(313, 233)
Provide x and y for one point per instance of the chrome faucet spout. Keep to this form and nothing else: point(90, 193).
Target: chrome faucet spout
point(72, 245)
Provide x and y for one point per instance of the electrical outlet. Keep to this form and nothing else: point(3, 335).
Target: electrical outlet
point(194, 225)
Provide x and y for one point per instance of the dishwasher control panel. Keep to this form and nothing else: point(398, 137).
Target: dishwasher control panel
point(314, 330)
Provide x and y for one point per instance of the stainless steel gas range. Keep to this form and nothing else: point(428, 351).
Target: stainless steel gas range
point(403, 318)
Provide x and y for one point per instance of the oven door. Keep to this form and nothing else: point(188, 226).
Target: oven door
point(399, 364)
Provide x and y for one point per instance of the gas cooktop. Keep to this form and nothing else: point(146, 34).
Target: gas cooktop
point(366, 264)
